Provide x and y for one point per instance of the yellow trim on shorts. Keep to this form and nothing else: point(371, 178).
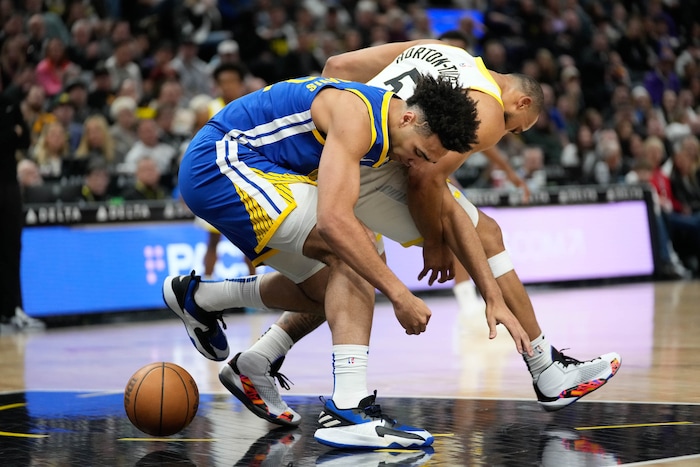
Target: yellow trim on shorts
point(261, 259)
point(264, 226)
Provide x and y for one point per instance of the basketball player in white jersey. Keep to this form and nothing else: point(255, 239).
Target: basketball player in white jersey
point(505, 103)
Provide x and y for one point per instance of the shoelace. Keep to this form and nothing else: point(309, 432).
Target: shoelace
point(565, 359)
point(282, 380)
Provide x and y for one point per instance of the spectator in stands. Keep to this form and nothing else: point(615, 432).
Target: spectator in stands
point(28, 174)
point(64, 112)
point(191, 70)
point(662, 76)
point(685, 176)
point(83, 50)
point(32, 185)
point(683, 227)
point(12, 58)
point(94, 187)
point(101, 94)
point(532, 169)
point(121, 67)
point(149, 145)
point(52, 153)
point(227, 51)
point(97, 142)
point(123, 130)
point(36, 38)
point(33, 111)
point(77, 91)
point(670, 266)
point(146, 184)
point(609, 168)
point(635, 49)
point(55, 68)
point(171, 131)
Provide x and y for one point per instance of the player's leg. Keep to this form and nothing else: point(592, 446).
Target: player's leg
point(558, 380)
point(210, 256)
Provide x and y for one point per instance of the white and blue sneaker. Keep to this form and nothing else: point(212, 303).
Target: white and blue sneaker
point(202, 326)
point(366, 427)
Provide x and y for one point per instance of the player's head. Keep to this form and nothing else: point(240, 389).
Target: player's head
point(455, 38)
point(438, 117)
point(523, 104)
point(230, 77)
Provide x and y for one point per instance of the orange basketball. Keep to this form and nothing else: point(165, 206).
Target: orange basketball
point(161, 399)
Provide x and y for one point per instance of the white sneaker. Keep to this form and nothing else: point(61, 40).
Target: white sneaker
point(366, 427)
point(23, 322)
point(251, 378)
point(566, 380)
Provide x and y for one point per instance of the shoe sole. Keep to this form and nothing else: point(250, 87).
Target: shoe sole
point(570, 396)
point(241, 396)
point(171, 301)
point(337, 438)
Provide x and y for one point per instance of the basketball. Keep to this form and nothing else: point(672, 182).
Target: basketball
point(161, 399)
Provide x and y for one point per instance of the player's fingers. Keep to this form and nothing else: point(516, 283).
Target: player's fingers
point(433, 277)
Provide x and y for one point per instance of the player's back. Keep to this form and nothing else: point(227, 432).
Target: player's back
point(276, 122)
point(436, 60)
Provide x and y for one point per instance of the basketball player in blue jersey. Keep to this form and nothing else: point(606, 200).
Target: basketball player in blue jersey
point(511, 104)
point(263, 165)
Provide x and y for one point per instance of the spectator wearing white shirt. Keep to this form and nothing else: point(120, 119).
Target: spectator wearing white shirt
point(149, 144)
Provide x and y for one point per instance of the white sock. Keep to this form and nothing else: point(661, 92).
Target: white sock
point(231, 293)
point(542, 357)
point(349, 375)
point(273, 344)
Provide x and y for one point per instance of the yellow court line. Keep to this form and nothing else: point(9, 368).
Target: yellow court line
point(18, 435)
point(22, 435)
point(638, 425)
point(171, 440)
point(442, 435)
point(12, 406)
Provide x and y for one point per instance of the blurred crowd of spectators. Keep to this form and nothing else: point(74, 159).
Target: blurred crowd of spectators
point(112, 90)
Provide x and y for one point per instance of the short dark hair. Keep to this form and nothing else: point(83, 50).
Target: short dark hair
point(238, 68)
point(448, 111)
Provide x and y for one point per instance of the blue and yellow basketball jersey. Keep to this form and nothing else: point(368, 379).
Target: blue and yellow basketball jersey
point(275, 124)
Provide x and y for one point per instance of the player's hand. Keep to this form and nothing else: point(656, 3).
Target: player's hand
point(500, 314)
point(519, 183)
point(438, 260)
point(412, 313)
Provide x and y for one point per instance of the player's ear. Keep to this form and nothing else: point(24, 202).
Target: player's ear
point(408, 117)
point(524, 102)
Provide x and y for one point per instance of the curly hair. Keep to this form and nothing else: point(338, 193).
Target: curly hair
point(447, 111)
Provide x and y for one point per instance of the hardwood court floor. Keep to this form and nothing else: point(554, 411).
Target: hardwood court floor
point(61, 390)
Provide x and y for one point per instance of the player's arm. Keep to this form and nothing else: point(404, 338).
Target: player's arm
point(364, 64)
point(426, 187)
point(345, 120)
point(500, 161)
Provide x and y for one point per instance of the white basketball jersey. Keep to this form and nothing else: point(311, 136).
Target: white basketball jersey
point(436, 60)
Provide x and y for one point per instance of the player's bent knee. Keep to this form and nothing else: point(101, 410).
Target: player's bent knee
point(490, 235)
